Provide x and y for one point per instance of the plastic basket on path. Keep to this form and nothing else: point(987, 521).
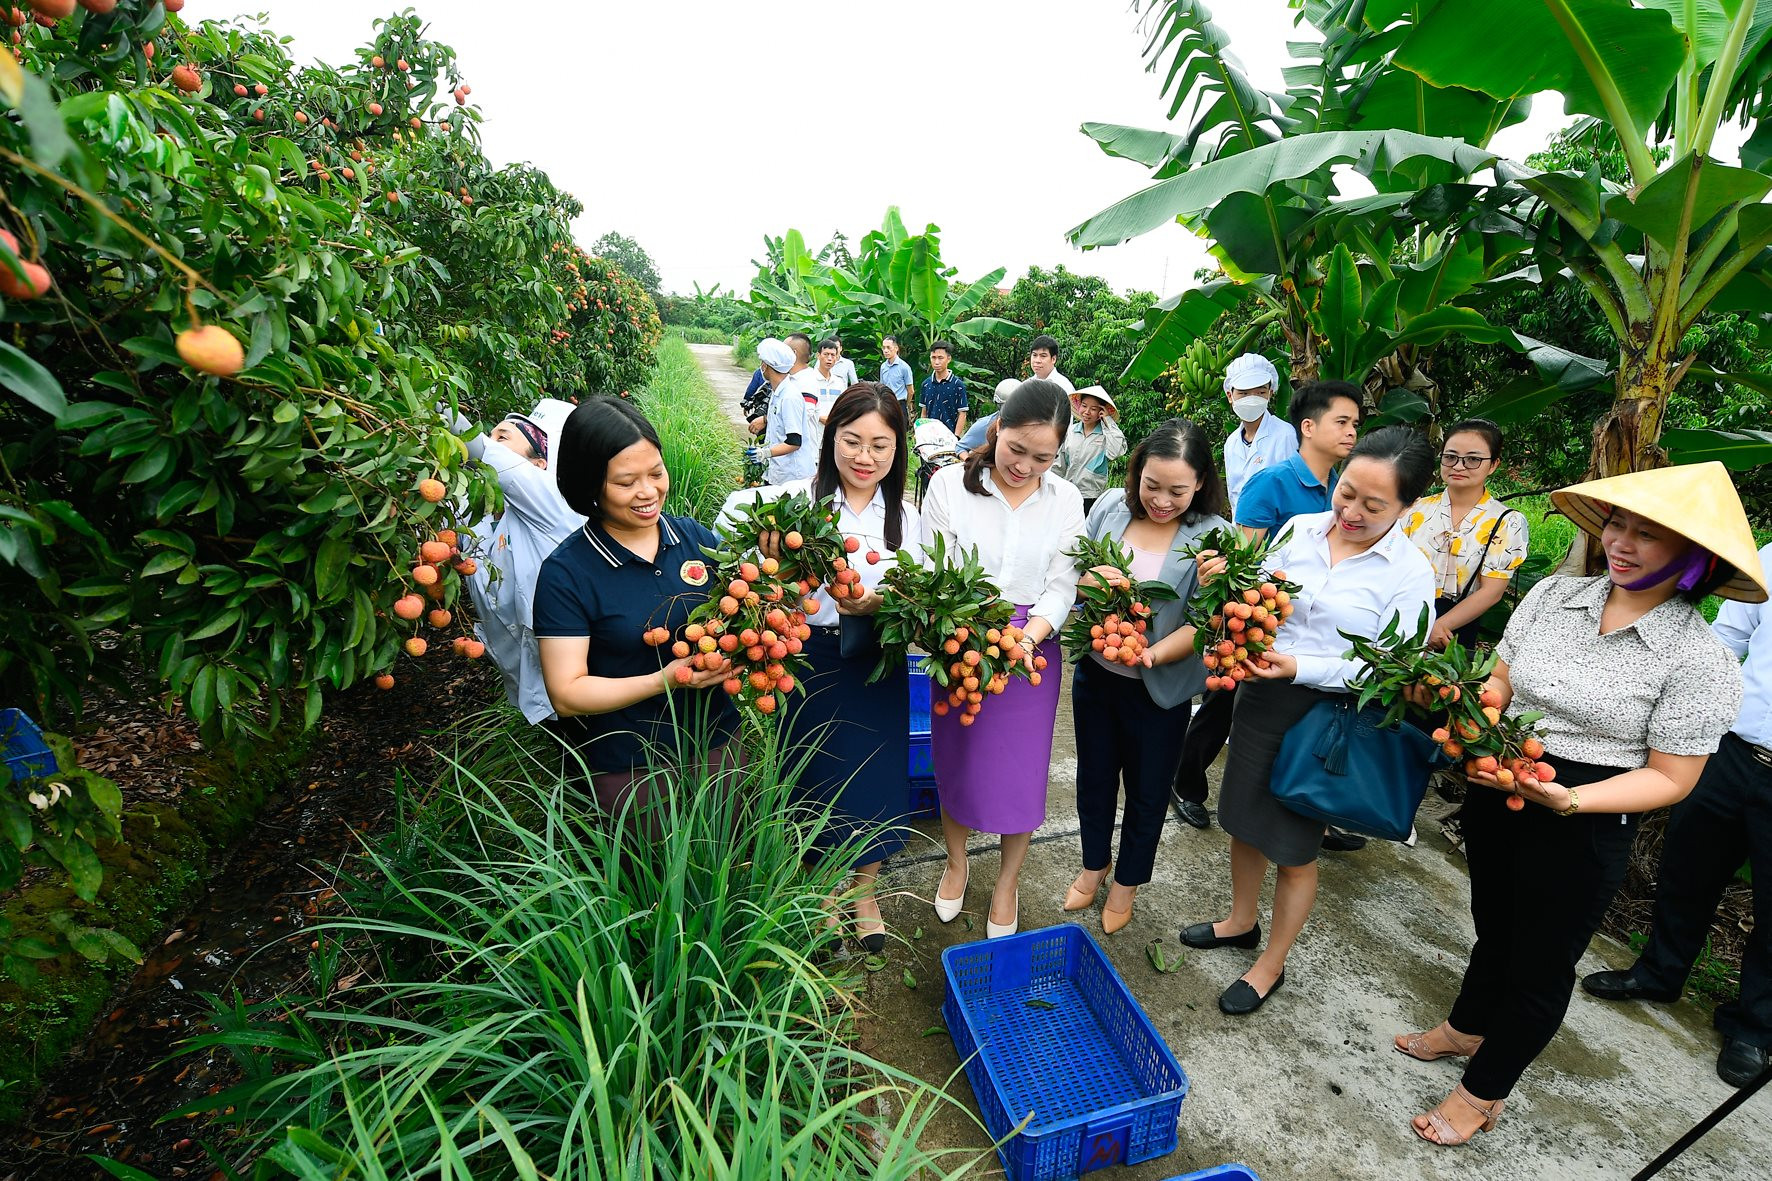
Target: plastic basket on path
point(925, 800)
point(1048, 1033)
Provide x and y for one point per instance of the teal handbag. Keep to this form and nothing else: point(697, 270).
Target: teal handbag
point(1342, 765)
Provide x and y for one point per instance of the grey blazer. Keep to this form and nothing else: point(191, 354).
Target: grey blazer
point(1168, 684)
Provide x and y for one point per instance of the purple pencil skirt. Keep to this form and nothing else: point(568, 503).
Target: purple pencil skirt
point(992, 774)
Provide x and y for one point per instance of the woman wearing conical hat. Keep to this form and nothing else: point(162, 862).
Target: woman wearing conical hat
point(1636, 694)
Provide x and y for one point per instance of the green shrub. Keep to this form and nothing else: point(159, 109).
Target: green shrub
point(702, 448)
point(546, 998)
point(699, 335)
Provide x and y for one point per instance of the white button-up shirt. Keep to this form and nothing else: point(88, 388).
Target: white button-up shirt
point(1275, 442)
point(1358, 594)
point(1746, 628)
point(1022, 549)
point(822, 393)
point(867, 527)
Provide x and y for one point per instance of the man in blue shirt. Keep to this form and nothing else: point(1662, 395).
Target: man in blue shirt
point(944, 394)
point(895, 375)
point(1326, 416)
point(1724, 822)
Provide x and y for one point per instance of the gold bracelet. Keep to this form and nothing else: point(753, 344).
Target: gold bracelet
point(1574, 804)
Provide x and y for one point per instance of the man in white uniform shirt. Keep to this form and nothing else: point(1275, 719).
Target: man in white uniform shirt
point(1263, 439)
point(844, 369)
point(1725, 821)
point(822, 386)
point(1043, 360)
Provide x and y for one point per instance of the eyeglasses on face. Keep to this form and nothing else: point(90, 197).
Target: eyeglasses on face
point(854, 448)
point(1452, 459)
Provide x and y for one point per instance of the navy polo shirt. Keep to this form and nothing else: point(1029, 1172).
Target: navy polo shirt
point(1274, 495)
point(593, 586)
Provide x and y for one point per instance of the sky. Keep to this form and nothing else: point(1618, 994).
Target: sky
point(696, 128)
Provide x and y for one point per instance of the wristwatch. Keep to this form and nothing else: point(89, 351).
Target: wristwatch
point(1574, 804)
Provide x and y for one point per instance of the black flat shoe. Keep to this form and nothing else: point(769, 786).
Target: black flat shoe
point(1343, 842)
point(1200, 935)
point(873, 943)
point(1626, 986)
point(1190, 813)
point(1241, 999)
point(1740, 1064)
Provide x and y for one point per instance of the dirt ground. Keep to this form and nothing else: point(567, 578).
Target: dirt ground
point(1310, 1087)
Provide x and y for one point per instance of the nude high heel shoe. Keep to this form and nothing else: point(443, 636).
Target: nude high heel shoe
point(1077, 899)
point(998, 930)
point(947, 909)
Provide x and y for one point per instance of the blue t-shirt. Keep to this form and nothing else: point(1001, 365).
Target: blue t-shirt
point(896, 376)
point(593, 586)
point(978, 434)
point(943, 400)
point(1274, 495)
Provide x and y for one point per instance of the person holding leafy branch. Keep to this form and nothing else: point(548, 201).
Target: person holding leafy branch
point(1005, 504)
point(1635, 693)
point(855, 735)
point(1357, 572)
point(1130, 721)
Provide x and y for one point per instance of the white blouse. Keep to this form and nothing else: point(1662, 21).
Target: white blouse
point(867, 527)
point(1022, 549)
point(1358, 594)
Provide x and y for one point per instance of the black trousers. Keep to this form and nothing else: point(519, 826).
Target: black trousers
point(1726, 820)
point(1123, 737)
point(1540, 884)
point(1206, 736)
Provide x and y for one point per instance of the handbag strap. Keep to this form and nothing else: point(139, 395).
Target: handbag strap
point(1477, 570)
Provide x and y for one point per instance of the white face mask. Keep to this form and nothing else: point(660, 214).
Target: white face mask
point(1250, 407)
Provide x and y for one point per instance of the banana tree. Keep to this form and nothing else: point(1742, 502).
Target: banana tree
point(897, 284)
point(1688, 235)
point(1253, 170)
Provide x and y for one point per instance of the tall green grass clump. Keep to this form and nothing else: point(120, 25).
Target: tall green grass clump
point(702, 447)
point(693, 335)
point(535, 995)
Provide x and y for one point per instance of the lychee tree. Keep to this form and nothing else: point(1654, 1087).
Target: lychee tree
point(245, 537)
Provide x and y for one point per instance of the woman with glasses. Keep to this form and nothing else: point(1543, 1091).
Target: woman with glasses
point(855, 736)
point(1474, 541)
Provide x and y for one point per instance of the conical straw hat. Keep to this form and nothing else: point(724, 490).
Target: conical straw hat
point(1697, 501)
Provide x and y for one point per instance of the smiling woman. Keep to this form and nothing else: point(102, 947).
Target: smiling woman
point(630, 569)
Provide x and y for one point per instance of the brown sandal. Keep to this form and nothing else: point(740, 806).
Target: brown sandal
point(1444, 1133)
point(1415, 1044)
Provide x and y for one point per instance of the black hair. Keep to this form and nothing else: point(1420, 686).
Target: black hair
point(830, 342)
point(944, 346)
point(1311, 401)
point(1721, 573)
point(600, 429)
point(802, 349)
point(1035, 402)
point(1179, 438)
point(858, 401)
point(890, 337)
point(1046, 342)
point(1478, 426)
point(1406, 450)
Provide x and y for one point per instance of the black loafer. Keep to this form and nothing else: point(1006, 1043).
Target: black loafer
point(1241, 999)
point(1200, 935)
point(1190, 813)
point(1626, 986)
point(1740, 1064)
point(1343, 842)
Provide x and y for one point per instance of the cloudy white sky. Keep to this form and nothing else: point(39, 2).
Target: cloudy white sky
point(697, 127)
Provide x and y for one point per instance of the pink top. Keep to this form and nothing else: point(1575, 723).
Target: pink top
point(1146, 563)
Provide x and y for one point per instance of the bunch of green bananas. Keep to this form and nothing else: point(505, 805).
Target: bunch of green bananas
point(1199, 372)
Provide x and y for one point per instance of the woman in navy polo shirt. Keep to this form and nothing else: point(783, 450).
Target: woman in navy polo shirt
point(629, 569)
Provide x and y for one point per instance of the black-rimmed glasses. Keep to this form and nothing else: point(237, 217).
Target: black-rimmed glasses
point(1452, 459)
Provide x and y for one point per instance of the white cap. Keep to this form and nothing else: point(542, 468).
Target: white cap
point(1250, 371)
point(549, 415)
point(775, 354)
point(1006, 387)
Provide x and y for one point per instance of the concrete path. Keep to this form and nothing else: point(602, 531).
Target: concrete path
point(1310, 1087)
point(727, 379)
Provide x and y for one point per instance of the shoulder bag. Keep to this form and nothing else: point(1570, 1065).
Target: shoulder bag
point(1469, 633)
point(1343, 766)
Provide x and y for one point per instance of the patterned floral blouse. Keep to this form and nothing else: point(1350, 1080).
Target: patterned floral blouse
point(1454, 553)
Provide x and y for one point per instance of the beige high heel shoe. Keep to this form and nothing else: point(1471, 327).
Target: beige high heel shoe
point(1443, 1132)
point(1077, 899)
point(1113, 920)
point(1416, 1045)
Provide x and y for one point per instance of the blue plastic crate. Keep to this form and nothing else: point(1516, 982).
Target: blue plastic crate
point(919, 697)
point(1220, 1173)
point(1045, 1026)
point(27, 755)
point(925, 800)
